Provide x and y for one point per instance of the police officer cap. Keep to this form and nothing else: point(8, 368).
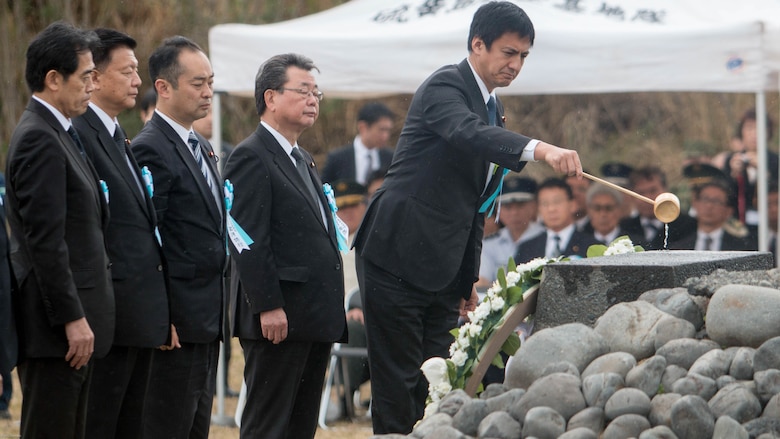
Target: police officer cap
point(348, 193)
point(616, 172)
point(518, 190)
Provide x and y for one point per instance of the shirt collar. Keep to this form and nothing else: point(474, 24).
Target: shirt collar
point(110, 124)
point(482, 87)
point(286, 146)
point(64, 121)
point(564, 233)
point(183, 132)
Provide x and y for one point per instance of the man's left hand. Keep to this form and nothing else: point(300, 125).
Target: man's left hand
point(469, 305)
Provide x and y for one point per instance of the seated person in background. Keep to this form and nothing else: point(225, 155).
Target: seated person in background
point(556, 210)
point(579, 187)
point(604, 212)
point(650, 182)
point(351, 201)
point(518, 215)
point(712, 201)
point(741, 164)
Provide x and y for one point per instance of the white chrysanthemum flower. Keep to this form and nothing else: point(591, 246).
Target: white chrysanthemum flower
point(497, 304)
point(442, 388)
point(435, 370)
point(512, 278)
point(474, 330)
point(459, 358)
point(620, 247)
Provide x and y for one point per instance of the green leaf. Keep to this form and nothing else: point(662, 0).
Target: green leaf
point(510, 265)
point(596, 250)
point(501, 277)
point(638, 248)
point(514, 294)
point(468, 365)
point(455, 332)
point(512, 344)
point(498, 361)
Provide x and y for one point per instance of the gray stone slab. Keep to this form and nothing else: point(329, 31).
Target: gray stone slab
point(582, 290)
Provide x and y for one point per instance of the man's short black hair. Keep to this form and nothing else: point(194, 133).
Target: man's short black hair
point(110, 39)
point(56, 48)
point(373, 111)
point(494, 19)
point(149, 99)
point(164, 61)
point(553, 183)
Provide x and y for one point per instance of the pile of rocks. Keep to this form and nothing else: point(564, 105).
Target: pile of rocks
point(648, 369)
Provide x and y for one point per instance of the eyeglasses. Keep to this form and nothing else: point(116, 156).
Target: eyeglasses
point(306, 93)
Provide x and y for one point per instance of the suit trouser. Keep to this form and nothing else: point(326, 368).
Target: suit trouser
point(54, 403)
point(405, 326)
point(284, 385)
point(116, 395)
point(181, 392)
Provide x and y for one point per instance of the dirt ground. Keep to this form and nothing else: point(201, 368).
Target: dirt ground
point(359, 429)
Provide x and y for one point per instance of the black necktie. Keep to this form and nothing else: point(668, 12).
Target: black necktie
point(491, 108)
point(369, 169)
point(120, 140)
point(300, 166)
point(708, 243)
point(77, 140)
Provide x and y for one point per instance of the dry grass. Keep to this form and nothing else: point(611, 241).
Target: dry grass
point(339, 430)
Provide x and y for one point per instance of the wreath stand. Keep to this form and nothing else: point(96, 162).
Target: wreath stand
point(516, 314)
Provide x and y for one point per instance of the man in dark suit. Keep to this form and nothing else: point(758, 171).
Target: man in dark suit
point(605, 207)
point(419, 245)
point(557, 206)
point(287, 292)
point(368, 153)
point(650, 181)
point(190, 216)
point(712, 201)
point(57, 214)
point(119, 380)
point(8, 340)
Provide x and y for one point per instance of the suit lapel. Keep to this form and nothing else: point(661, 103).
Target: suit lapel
point(79, 162)
point(192, 166)
point(110, 148)
point(287, 168)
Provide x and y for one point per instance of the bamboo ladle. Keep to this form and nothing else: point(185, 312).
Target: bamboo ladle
point(666, 206)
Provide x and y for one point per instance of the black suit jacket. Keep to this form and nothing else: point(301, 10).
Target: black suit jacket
point(142, 318)
point(294, 261)
point(340, 163)
point(423, 225)
point(729, 242)
point(683, 226)
point(535, 247)
point(9, 347)
point(192, 228)
point(57, 215)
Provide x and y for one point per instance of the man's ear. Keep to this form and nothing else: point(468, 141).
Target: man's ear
point(53, 80)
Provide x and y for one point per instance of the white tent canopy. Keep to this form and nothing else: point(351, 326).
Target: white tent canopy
point(374, 47)
point(377, 47)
